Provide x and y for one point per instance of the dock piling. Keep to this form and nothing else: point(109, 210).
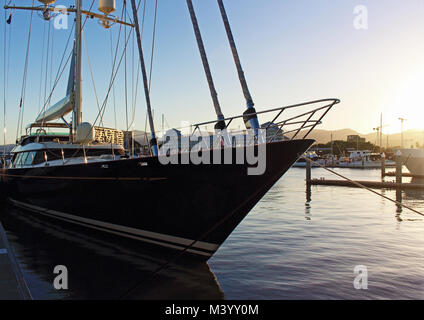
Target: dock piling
point(308, 171)
point(398, 167)
point(308, 181)
point(399, 180)
point(383, 166)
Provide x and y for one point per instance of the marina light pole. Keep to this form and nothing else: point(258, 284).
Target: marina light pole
point(401, 131)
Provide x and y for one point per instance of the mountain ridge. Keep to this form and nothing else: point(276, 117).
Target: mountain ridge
point(410, 137)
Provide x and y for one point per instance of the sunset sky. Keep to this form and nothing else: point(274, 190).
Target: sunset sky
point(291, 50)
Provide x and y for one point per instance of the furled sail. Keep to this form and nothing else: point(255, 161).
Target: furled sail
point(64, 106)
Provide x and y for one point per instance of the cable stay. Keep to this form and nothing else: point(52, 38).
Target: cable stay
point(6, 56)
point(24, 78)
point(250, 117)
point(220, 125)
point(64, 106)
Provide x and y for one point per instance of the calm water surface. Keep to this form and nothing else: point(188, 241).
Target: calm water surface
point(287, 248)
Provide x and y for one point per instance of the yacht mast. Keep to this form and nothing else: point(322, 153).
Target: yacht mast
point(77, 114)
point(153, 141)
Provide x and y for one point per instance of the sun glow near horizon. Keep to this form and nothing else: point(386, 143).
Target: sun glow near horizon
point(407, 102)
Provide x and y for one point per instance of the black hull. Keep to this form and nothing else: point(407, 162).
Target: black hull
point(188, 208)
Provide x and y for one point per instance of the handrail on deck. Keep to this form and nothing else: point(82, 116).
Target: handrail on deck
point(309, 123)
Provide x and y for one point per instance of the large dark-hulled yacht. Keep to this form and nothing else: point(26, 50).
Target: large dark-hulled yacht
point(86, 179)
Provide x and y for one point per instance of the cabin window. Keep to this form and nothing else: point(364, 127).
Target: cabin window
point(23, 159)
point(39, 157)
point(16, 159)
point(30, 158)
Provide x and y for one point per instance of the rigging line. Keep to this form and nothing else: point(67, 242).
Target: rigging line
point(51, 60)
point(153, 45)
point(107, 94)
point(4, 83)
point(132, 72)
point(109, 89)
point(362, 186)
point(206, 67)
point(47, 61)
point(125, 70)
point(59, 71)
point(8, 71)
point(114, 76)
point(64, 52)
point(41, 66)
point(145, 124)
point(22, 100)
point(115, 56)
point(54, 86)
point(59, 75)
point(113, 87)
point(153, 141)
point(138, 63)
point(138, 6)
point(250, 113)
point(134, 106)
point(144, 15)
point(91, 73)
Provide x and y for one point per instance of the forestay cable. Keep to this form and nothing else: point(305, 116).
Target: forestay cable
point(22, 100)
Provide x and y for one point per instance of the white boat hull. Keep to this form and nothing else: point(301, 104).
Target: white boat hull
point(413, 159)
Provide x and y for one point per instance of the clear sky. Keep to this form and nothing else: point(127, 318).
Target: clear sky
point(291, 50)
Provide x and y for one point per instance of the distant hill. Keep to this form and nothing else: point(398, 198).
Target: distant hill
point(324, 136)
point(410, 137)
point(8, 148)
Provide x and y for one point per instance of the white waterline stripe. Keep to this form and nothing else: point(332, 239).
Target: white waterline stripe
point(154, 235)
point(50, 214)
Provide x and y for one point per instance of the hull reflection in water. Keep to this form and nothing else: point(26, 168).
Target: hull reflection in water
point(99, 269)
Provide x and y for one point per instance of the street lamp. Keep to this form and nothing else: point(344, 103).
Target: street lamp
point(401, 131)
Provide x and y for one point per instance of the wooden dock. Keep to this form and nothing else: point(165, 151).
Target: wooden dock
point(369, 184)
point(398, 185)
point(404, 174)
point(12, 283)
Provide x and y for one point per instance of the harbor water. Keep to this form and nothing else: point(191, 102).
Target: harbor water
point(291, 246)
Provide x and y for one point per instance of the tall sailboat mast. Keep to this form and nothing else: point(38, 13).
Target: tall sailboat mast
point(77, 114)
point(154, 142)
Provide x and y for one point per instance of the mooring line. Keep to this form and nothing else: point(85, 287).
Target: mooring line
point(362, 186)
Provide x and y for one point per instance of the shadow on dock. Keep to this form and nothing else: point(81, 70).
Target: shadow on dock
point(96, 269)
